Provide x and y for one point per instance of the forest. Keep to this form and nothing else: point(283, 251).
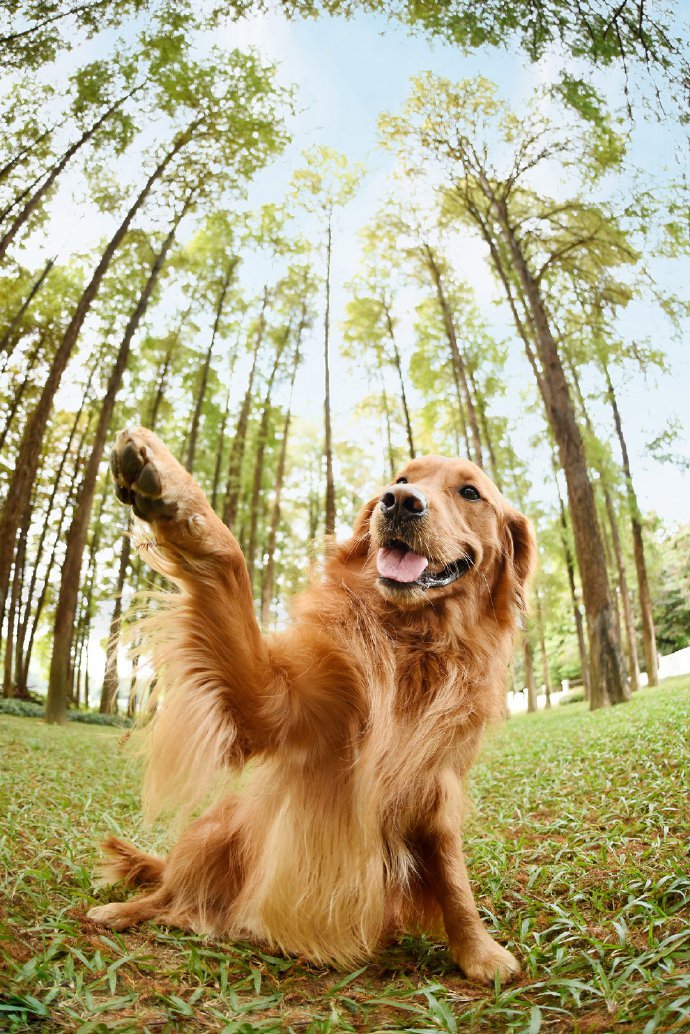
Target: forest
point(172, 252)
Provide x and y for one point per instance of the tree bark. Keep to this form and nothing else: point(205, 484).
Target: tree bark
point(607, 673)
point(628, 619)
point(570, 568)
point(401, 380)
point(259, 459)
point(239, 444)
point(30, 447)
point(269, 567)
point(6, 339)
point(458, 361)
point(203, 382)
point(63, 629)
point(328, 437)
point(542, 646)
point(528, 656)
point(648, 631)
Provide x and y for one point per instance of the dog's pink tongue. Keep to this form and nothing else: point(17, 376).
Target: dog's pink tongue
point(400, 565)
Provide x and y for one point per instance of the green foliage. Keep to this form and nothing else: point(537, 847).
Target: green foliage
point(31, 709)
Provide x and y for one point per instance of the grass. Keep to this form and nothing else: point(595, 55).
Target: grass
point(579, 850)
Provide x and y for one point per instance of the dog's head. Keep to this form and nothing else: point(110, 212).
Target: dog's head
point(442, 528)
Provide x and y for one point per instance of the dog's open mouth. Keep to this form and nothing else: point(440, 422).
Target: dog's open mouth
point(399, 565)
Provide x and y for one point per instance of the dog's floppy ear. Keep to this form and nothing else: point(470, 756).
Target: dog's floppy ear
point(521, 553)
point(358, 545)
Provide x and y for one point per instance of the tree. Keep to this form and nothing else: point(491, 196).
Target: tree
point(232, 131)
point(58, 686)
point(454, 124)
point(325, 185)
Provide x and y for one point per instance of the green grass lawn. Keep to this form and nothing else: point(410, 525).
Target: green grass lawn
point(579, 850)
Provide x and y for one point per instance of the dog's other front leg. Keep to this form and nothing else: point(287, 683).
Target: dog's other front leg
point(475, 951)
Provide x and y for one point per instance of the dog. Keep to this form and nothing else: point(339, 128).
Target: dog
point(352, 729)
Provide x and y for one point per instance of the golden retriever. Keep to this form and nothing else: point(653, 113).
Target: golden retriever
point(356, 725)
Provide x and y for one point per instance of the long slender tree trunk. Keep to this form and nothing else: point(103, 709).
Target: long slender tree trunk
point(12, 613)
point(570, 569)
point(628, 618)
point(6, 339)
point(401, 380)
point(645, 601)
point(63, 630)
point(19, 392)
point(259, 458)
point(239, 444)
point(32, 619)
point(30, 447)
point(35, 200)
point(458, 360)
point(608, 681)
point(528, 656)
point(203, 380)
point(328, 436)
point(269, 566)
point(546, 674)
point(387, 421)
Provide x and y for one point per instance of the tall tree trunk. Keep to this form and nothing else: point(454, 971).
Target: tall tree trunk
point(570, 568)
point(628, 619)
point(23, 654)
point(328, 436)
point(259, 459)
point(387, 421)
point(480, 406)
point(607, 673)
point(63, 630)
point(528, 655)
point(648, 631)
point(6, 339)
point(12, 613)
point(458, 361)
point(269, 567)
point(401, 380)
point(239, 444)
point(31, 206)
point(30, 447)
point(542, 646)
point(18, 393)
point(203, 381)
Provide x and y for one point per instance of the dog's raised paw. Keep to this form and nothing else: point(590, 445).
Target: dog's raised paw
point(139, 481)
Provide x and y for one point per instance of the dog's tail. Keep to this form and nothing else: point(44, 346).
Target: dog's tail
point(125, 862)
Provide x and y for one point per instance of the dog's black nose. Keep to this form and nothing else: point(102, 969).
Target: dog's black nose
point(403, 502)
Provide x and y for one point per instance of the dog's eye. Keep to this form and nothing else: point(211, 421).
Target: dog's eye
point(401, 481)
point(469, 492)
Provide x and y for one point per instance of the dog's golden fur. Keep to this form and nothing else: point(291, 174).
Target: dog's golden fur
point(360, 722)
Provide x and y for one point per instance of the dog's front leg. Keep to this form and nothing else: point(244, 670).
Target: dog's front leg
point(217, 642)
point(478, 955)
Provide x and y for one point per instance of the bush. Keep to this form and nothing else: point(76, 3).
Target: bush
point(29, 709)
point(572, 698)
